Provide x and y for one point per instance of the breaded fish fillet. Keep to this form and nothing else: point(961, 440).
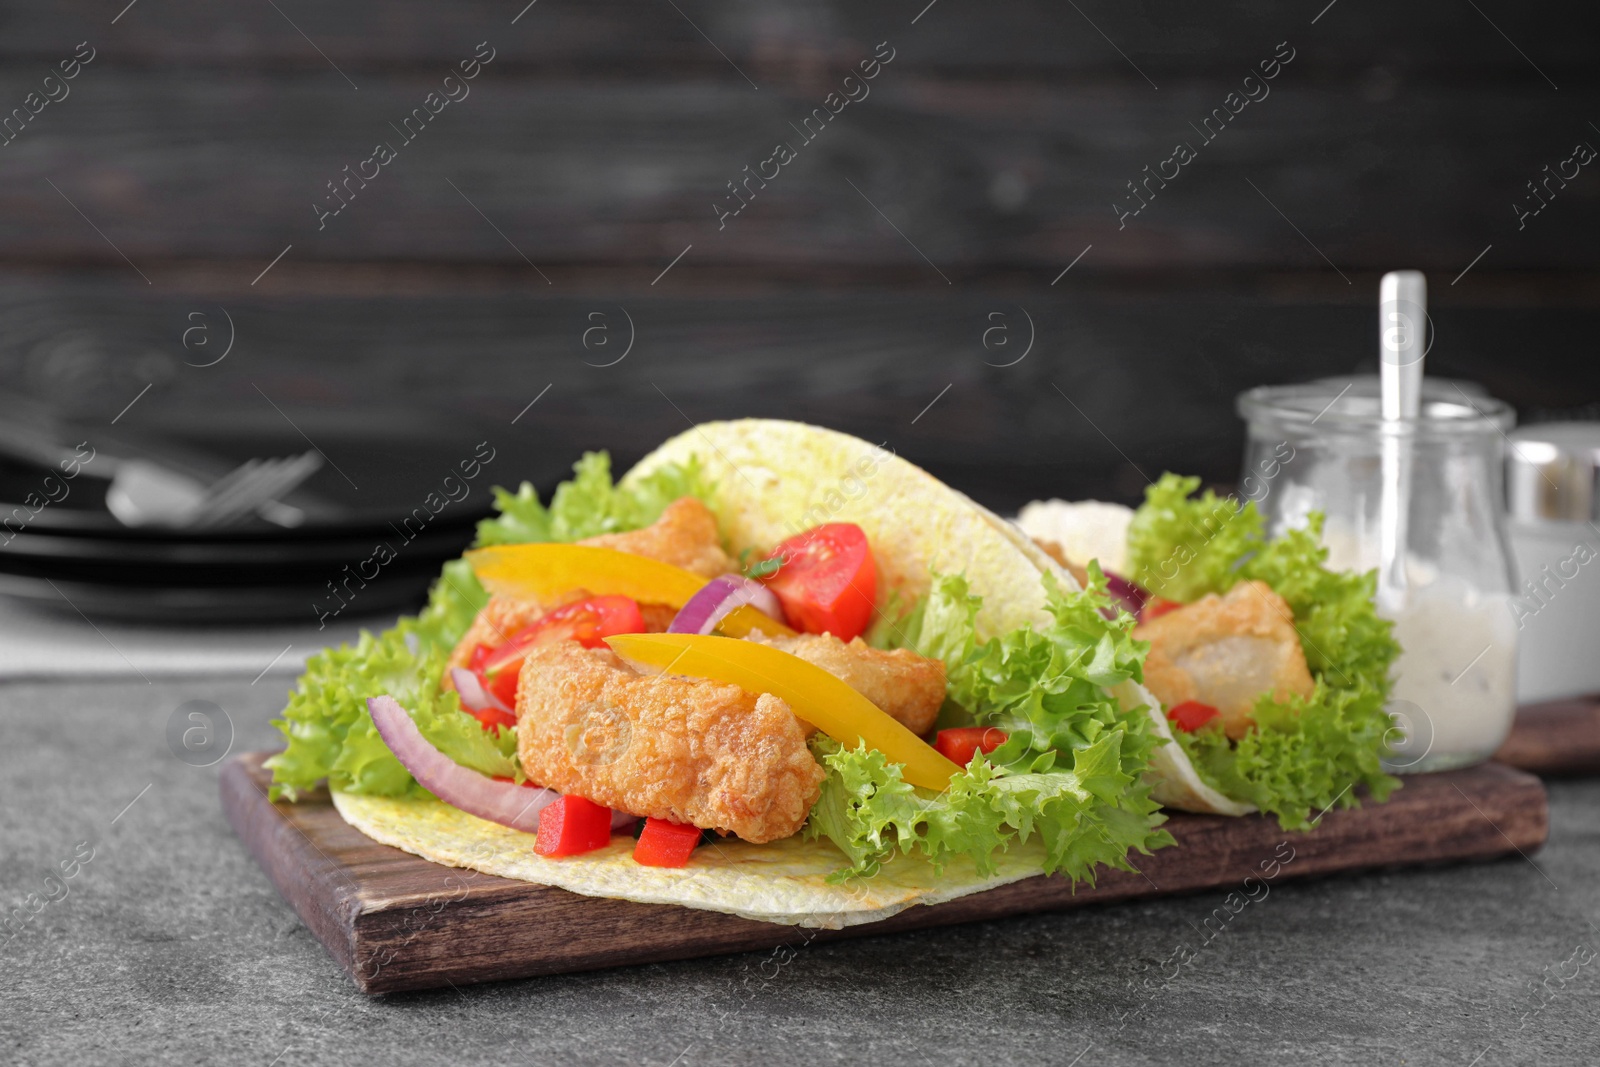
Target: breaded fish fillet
point(907, 686)
point(1054, 550)
point(691, 751)
point(685, 536)
point(1226, 651)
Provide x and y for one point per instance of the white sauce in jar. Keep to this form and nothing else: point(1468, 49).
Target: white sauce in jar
point(1455, 690)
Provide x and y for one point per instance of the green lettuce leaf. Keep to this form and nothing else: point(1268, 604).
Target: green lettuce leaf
point(590, 504)
point(1305, 755)
point(1182, 548)
point(1071, 771)
point(330, 735)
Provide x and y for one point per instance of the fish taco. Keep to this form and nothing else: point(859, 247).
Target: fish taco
point(1271, 668)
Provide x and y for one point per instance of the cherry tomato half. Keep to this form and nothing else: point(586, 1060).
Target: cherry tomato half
point(959, 743)
point(587, 622)
point(1191, 715)
point(827, 581)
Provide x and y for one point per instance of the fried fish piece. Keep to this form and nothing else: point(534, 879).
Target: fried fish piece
point(907, 686)
point(1226, 651)
point(688, 750)
point(1054, 550)
point(685, 536)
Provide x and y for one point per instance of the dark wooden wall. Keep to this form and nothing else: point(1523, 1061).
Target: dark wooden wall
point(856, 286)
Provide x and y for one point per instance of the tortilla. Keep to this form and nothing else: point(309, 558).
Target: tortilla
point(782, 882)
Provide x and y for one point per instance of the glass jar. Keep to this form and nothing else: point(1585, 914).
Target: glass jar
point(1553, 508)
point(1445, 575)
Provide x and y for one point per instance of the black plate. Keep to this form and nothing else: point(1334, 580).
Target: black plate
point(209, 604)
point(379, 482)
point(444, 541)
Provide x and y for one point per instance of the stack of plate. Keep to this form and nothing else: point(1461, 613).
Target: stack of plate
point(343, 561)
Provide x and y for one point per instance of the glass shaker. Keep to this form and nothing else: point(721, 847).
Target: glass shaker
point(1320, 447)
point(1553, 504)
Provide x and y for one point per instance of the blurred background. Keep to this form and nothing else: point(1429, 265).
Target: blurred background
point(952, 264)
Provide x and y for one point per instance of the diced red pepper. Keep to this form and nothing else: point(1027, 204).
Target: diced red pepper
point(959, 743)
point(1156, 607)
point(1191, 715)
point(572, 826)
point(665, 844)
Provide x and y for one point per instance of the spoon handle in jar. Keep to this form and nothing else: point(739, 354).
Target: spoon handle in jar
point(1402, 332)
point(1402, 329)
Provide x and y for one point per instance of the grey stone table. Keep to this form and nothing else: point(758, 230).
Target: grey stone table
point(169, 946)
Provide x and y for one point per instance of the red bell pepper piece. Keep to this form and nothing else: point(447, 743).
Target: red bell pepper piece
point(665, 844)
point(959, 743)
point(1156, 607)
point(1191, 715)
point(572, 826)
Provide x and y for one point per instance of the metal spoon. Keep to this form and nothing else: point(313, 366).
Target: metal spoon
point(1402, 335)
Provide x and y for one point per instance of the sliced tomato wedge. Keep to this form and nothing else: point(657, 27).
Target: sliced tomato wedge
point(572, 826)
point(493, 717)
point(588, 622)
point(959, 743)
point(1191, 715)
point(826, 580)
point(665, 844)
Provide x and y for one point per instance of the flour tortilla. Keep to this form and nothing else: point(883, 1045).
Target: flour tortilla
point(781, 882)
point(773, 480)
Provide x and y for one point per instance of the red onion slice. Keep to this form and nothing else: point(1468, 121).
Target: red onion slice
point(720, 596)
point(474, 697)
point(516, 806)
point(1130, 594)
point(621, 819)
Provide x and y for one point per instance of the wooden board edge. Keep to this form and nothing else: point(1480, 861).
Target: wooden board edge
point(1507, 813)
point(1556, 738)
point(285, 854)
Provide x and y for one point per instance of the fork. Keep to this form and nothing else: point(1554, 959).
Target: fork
point(147, 494)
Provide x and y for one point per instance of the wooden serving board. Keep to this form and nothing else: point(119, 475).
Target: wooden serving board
point(1560, 737)
point(395, 922)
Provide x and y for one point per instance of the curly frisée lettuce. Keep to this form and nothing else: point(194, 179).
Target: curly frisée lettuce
point(1305, 755)
point(589, 504)
point(1071, 771)
point(330, 734)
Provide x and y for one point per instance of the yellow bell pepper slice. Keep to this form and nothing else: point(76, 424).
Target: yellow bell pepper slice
point(811, 692)
point(546, 572)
